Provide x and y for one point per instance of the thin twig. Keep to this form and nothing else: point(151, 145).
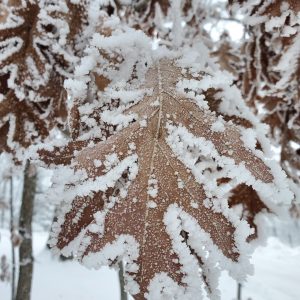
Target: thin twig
point(12, 238)
point(122, 282)
point(239, 291)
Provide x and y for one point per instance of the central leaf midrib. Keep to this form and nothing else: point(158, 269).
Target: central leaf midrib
point(158, 127)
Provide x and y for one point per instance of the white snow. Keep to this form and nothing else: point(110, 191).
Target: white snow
point(9, 47)
point(54, 279)
point(152, 189)
point(218, 126)
point(276, 277)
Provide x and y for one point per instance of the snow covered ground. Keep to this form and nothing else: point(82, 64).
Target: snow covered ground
point(277, 275)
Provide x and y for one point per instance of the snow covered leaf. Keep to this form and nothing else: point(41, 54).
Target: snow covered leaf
point(271, 79)
point(230, 57)
point(149, 194)
point(36, 54)
point(62, 155)
point(250, 204)
point(20, 123)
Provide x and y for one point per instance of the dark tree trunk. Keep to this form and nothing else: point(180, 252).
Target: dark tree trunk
point(25, 250)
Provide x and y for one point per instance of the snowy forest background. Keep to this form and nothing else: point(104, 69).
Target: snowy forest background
point(83, 78)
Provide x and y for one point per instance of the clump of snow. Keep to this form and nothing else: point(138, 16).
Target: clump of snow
point(218, 126)
point(152, 189)
point(143, 123)
point(97, 163)
point(10, 46)
point(151, 204)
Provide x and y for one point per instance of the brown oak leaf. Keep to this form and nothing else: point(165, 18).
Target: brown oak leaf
point(271, 78)
point(251, 205)
point(141, 199)
point(37, 52)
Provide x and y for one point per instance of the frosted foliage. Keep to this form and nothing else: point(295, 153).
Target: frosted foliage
point(105, 75)
point(270, 79)
point(36, 55)
point(35, 67)
point(159, 146)
point(151, 192)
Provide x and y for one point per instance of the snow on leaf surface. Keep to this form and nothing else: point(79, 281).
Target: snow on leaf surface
point(152, 198)
point(36, 54)
point(271, 79)
point(251, 205)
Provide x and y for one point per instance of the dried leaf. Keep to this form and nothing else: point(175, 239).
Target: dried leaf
point(251, 205)
point(36, 54)
point(271, 78)
point(139, 198)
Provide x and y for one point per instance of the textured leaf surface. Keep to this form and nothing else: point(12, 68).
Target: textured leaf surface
point(271, 78)
point(141, 198)
point(36, 54)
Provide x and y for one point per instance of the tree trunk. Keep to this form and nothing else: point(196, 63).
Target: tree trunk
point(25, 250)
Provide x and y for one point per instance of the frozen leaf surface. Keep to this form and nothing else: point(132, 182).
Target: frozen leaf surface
point(150, 194)
point(37, 51)
point(270, 82)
